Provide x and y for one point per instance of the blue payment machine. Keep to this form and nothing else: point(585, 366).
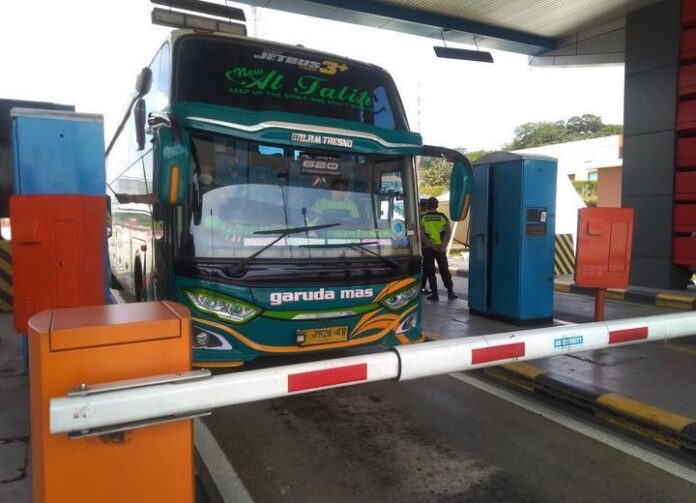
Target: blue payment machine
point(512, 241)
point(57, 152)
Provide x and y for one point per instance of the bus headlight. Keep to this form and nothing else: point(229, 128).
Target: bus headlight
point(402, 297)
point(221, 306)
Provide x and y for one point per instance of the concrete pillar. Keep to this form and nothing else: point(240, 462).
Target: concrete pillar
point(652, 64)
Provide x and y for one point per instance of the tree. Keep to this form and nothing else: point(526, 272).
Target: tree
point(584, 126)
point(475, 155)
point(438, 173)
point(587, 190)
point(536, 134)
point(578, 127)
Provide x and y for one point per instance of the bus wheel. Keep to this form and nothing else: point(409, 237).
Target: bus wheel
point(138, 281)
point(113, 282)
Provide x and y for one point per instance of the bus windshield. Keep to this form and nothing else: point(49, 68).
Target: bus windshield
point(241, 190)
point(262, 76)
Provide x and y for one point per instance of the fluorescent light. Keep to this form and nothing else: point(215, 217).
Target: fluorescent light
point(466, 54)
point(201, 7)
point(183, 20)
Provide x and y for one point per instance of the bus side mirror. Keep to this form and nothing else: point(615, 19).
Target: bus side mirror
point(173, 168)
point(461, 181)
point(143, 82)
point(461, 185)
point(139, 118)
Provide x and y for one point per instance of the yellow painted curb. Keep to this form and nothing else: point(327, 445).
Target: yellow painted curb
point(644, 412)
point(616, 294)
point(524, 369)
point(675, 301)
point(217, 365)
point(500, 374)
point(561, 287)
point(430, 336)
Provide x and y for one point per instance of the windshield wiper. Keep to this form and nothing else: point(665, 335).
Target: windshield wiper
point(239, 267)
point(359, 246)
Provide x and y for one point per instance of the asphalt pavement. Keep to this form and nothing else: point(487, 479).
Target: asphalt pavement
point(457, 437)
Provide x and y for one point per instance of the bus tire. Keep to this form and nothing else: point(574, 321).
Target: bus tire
point(113, 282)
point(139, 284)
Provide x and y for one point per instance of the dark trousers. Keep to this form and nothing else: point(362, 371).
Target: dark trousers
point(430, 256)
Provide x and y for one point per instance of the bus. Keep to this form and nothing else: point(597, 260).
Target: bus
point(272, 190)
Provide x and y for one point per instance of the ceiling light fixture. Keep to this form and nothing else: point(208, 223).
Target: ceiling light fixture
point(464, 54)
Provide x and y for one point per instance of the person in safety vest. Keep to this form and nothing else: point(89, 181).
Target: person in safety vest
point(339, 200)
point(435, 233)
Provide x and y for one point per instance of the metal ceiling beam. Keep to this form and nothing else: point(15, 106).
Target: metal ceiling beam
point(442, 21)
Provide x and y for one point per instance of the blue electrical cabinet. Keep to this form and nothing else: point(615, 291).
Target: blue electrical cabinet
point(57, 152)
point(512, 243)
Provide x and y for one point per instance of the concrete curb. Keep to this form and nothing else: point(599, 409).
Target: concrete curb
point(655, 298)
point(668, 428)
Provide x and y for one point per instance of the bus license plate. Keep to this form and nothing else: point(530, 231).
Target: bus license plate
point(326, 335)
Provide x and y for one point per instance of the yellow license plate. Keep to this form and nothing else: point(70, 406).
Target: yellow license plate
point(326, 335)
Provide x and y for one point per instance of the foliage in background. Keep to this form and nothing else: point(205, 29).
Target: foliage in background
point(587, 190)
point(438, 172)
point(432, 190)
point(584, 127)
point(476, 155)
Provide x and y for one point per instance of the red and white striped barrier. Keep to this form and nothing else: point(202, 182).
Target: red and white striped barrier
point(135, 403)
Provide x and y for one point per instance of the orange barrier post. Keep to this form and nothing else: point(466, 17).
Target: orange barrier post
point(600, 295)
point(68, 347)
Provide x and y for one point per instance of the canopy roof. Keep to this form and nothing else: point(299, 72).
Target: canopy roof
point(552, 31)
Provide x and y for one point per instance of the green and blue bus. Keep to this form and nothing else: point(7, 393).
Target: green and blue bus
point(272, 190)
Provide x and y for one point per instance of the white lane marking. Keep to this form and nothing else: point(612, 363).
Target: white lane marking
point(226, 480)
point(644, 455)
point(563, 322)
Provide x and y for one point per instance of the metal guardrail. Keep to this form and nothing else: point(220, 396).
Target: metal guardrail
point(166, 398)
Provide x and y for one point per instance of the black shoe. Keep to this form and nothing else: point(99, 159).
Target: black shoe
point(425, 291)
point(451, 295)
point(434, 297)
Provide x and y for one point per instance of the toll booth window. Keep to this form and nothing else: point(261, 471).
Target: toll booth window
point(535, 221)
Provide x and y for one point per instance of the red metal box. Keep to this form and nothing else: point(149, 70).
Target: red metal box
point(58, 253)
point(688, 45)
point(684, 250)
point(686, 152)
point(685, 186)
point(684, 218)
point(686, 116)
point(687, 80)
point(605, 236)
point(688, 13)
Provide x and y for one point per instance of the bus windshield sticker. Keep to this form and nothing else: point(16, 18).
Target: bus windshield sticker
point(317, 139)
point(262, 83)
point(324, 165)
point(264, 78)
point(326, 67)
point(398, 227)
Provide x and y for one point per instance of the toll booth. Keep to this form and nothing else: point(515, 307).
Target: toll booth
point(57, 212)
point(512, 237)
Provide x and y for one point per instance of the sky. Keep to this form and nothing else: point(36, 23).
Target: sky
point(88, 52)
